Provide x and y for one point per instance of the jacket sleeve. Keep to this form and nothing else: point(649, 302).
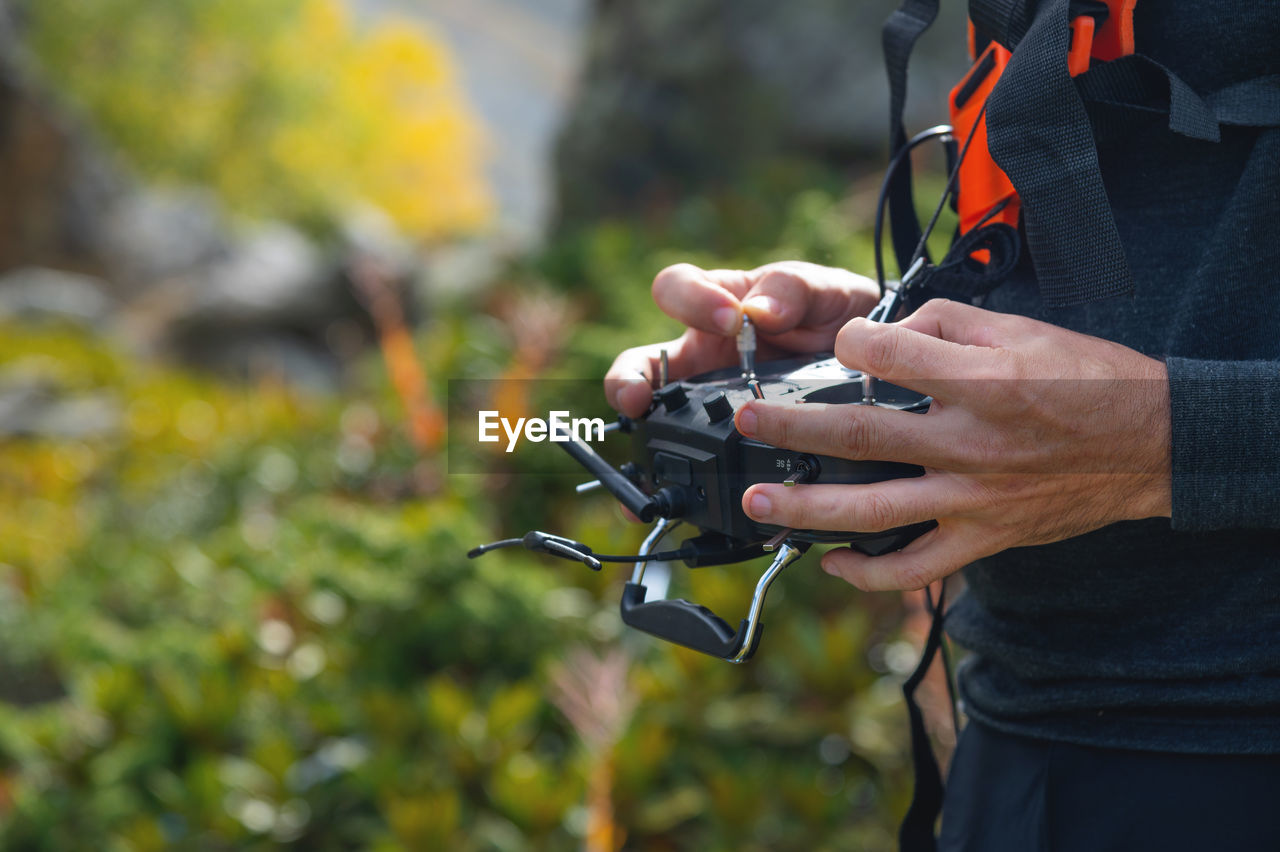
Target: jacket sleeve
point(1225, 444)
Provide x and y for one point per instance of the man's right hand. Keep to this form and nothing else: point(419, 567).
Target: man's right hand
point(797, 308)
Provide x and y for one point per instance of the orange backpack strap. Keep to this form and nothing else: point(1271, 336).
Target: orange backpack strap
point(1100, 32)
point(981, 185)
point(1114, 36)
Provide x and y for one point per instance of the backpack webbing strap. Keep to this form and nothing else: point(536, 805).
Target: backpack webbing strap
point(1254, 103)
point(1039, 134)
point(1139, 82)
point(1006, 21)
point(898, 38)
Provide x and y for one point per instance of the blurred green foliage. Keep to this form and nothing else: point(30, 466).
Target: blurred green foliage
point(244, 617)
point(285, 108)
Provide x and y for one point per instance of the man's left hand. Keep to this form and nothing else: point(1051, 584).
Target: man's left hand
point(1036, 434)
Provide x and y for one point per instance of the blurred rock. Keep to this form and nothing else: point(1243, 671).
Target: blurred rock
point(678, 95)
point(82, 238)
point(148, 235)
point(33, 408)
point(465, 267)
point(37, 293)
point(271, 275)
point(266, 305)
point(164, 260)
point(264, 352)
point(367, 232)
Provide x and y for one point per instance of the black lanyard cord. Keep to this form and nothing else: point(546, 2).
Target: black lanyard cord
point(916, 833)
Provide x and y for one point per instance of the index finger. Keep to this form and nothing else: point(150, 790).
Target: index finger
point(913, 359)
point(792, 295)
point(859, 432)
point(707, 300)
point(960, 323)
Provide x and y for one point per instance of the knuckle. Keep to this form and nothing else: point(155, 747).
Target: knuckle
point(672, 277)
point(882, 349)
point(625, 360)
point(789, 268)
point(984, 453)
point(854, 435)
point(1019, 373)
point(779, 278)
point(876, 513)
point(846, 340)
point(936, 307)
point(776, 426)
point(987, 492)
point(912, 575)
point(857, 579)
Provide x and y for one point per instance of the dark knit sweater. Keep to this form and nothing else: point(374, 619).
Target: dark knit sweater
point(1157, 634)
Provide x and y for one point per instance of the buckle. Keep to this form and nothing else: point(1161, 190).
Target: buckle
point(1081, 50)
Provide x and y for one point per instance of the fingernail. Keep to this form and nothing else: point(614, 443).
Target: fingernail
point(765, 304)
point(826, 565)
point(728, 320)
point(747, 422)
point(760, 506)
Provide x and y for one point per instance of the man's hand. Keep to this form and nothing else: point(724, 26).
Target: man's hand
point(796, 307)
point(1036, 434)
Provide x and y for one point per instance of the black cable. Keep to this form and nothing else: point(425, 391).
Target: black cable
point(898, 159)
point(660, 556)
point(938, 611)
point(992, 213)
point(542, 543)
point(951, 687)
point(943, 132)
point(494, 545)
point(957, 276)
point(950, 187)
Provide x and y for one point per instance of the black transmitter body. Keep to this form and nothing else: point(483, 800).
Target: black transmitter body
point(690, 465)
point(687, 451)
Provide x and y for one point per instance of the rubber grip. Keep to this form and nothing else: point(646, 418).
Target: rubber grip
point(680, 621)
